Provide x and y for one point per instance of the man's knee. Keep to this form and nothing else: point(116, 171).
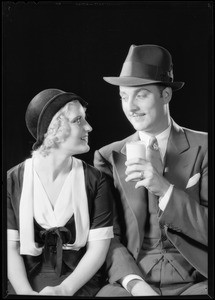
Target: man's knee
point(113, 290)
point(200, 288)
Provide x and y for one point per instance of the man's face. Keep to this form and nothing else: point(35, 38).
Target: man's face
point(145, 108)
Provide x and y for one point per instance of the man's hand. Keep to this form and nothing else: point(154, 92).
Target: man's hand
point(149, 171)
point(152, 179)
point(140, 288)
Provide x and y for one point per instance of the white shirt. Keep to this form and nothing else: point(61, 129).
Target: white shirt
point(162, 140)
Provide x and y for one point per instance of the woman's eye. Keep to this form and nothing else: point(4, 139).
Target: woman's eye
point(78, 121)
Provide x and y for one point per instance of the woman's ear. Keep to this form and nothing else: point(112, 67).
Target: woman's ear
point(167, 94)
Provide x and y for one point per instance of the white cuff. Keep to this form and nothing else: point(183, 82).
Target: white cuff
point(100, 233)
point(128, 278)
point(12, 235)
point(165, 199)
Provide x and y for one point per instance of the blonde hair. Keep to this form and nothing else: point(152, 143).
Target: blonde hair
point(57, 132)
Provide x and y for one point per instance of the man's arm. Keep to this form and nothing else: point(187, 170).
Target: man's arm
point(187, 211)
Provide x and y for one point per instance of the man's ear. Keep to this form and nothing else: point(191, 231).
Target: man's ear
point(167, 94)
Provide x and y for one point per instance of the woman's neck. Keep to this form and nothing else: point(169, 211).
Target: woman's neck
point(52, 165)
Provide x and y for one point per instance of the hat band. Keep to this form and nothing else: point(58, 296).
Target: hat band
point(141, 70)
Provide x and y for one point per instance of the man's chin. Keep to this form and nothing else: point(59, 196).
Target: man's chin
point(139, 127)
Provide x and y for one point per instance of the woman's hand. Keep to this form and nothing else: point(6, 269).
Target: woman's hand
point(28, 292)
point(90, 263)
point(54, 290)
point(33, 293)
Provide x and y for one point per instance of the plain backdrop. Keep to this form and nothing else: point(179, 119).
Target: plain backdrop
point(71, 45)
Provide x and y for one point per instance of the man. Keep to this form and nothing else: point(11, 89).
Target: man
point(160, 244)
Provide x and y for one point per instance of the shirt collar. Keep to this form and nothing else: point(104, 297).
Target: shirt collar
point(162, 139)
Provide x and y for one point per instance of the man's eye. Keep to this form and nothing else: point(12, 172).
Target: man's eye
point(123, 98)
point(142, 96)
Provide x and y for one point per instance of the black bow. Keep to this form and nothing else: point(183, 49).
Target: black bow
point(53, 239)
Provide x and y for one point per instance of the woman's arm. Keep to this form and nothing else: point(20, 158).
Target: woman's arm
point(90, 263)
point(16, 270)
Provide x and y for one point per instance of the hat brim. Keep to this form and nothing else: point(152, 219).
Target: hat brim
point(135, 81)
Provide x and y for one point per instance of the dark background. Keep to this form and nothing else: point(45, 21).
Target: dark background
point(72, 45)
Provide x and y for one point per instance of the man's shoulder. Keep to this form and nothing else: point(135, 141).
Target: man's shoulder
point(200, 137)
point(193, 136)
point(117, 146)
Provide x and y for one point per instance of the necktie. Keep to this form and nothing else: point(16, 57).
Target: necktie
point(153, 155)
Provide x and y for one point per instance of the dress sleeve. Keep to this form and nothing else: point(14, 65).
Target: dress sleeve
point(12, 227)
point(101, 218)
point(11, 219)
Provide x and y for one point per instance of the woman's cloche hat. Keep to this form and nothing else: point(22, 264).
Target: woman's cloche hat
point(42, 109)
point(146, 64)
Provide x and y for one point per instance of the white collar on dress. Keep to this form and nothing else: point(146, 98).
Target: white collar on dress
point(35, 204)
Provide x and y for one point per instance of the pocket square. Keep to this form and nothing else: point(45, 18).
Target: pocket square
point(193, 180)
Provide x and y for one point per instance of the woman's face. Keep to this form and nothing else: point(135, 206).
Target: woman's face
point(77, 140)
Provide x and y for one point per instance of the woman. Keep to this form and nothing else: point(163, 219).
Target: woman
point(59, 207)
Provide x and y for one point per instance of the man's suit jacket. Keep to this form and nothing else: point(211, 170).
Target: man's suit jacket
point(184, 219)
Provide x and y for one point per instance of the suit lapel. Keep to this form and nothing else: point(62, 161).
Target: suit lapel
point(180, 157)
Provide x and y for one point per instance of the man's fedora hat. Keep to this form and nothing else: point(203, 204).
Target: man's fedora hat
point(42, 109)
point(146, 64)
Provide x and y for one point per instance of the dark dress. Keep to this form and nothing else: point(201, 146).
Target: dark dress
point(55, 264)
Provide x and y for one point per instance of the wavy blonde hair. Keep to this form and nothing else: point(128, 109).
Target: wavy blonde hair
point(57, 132)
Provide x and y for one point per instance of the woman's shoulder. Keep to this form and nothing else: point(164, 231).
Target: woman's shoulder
point(16, 171)
point(15, 178)
point(91, 170)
